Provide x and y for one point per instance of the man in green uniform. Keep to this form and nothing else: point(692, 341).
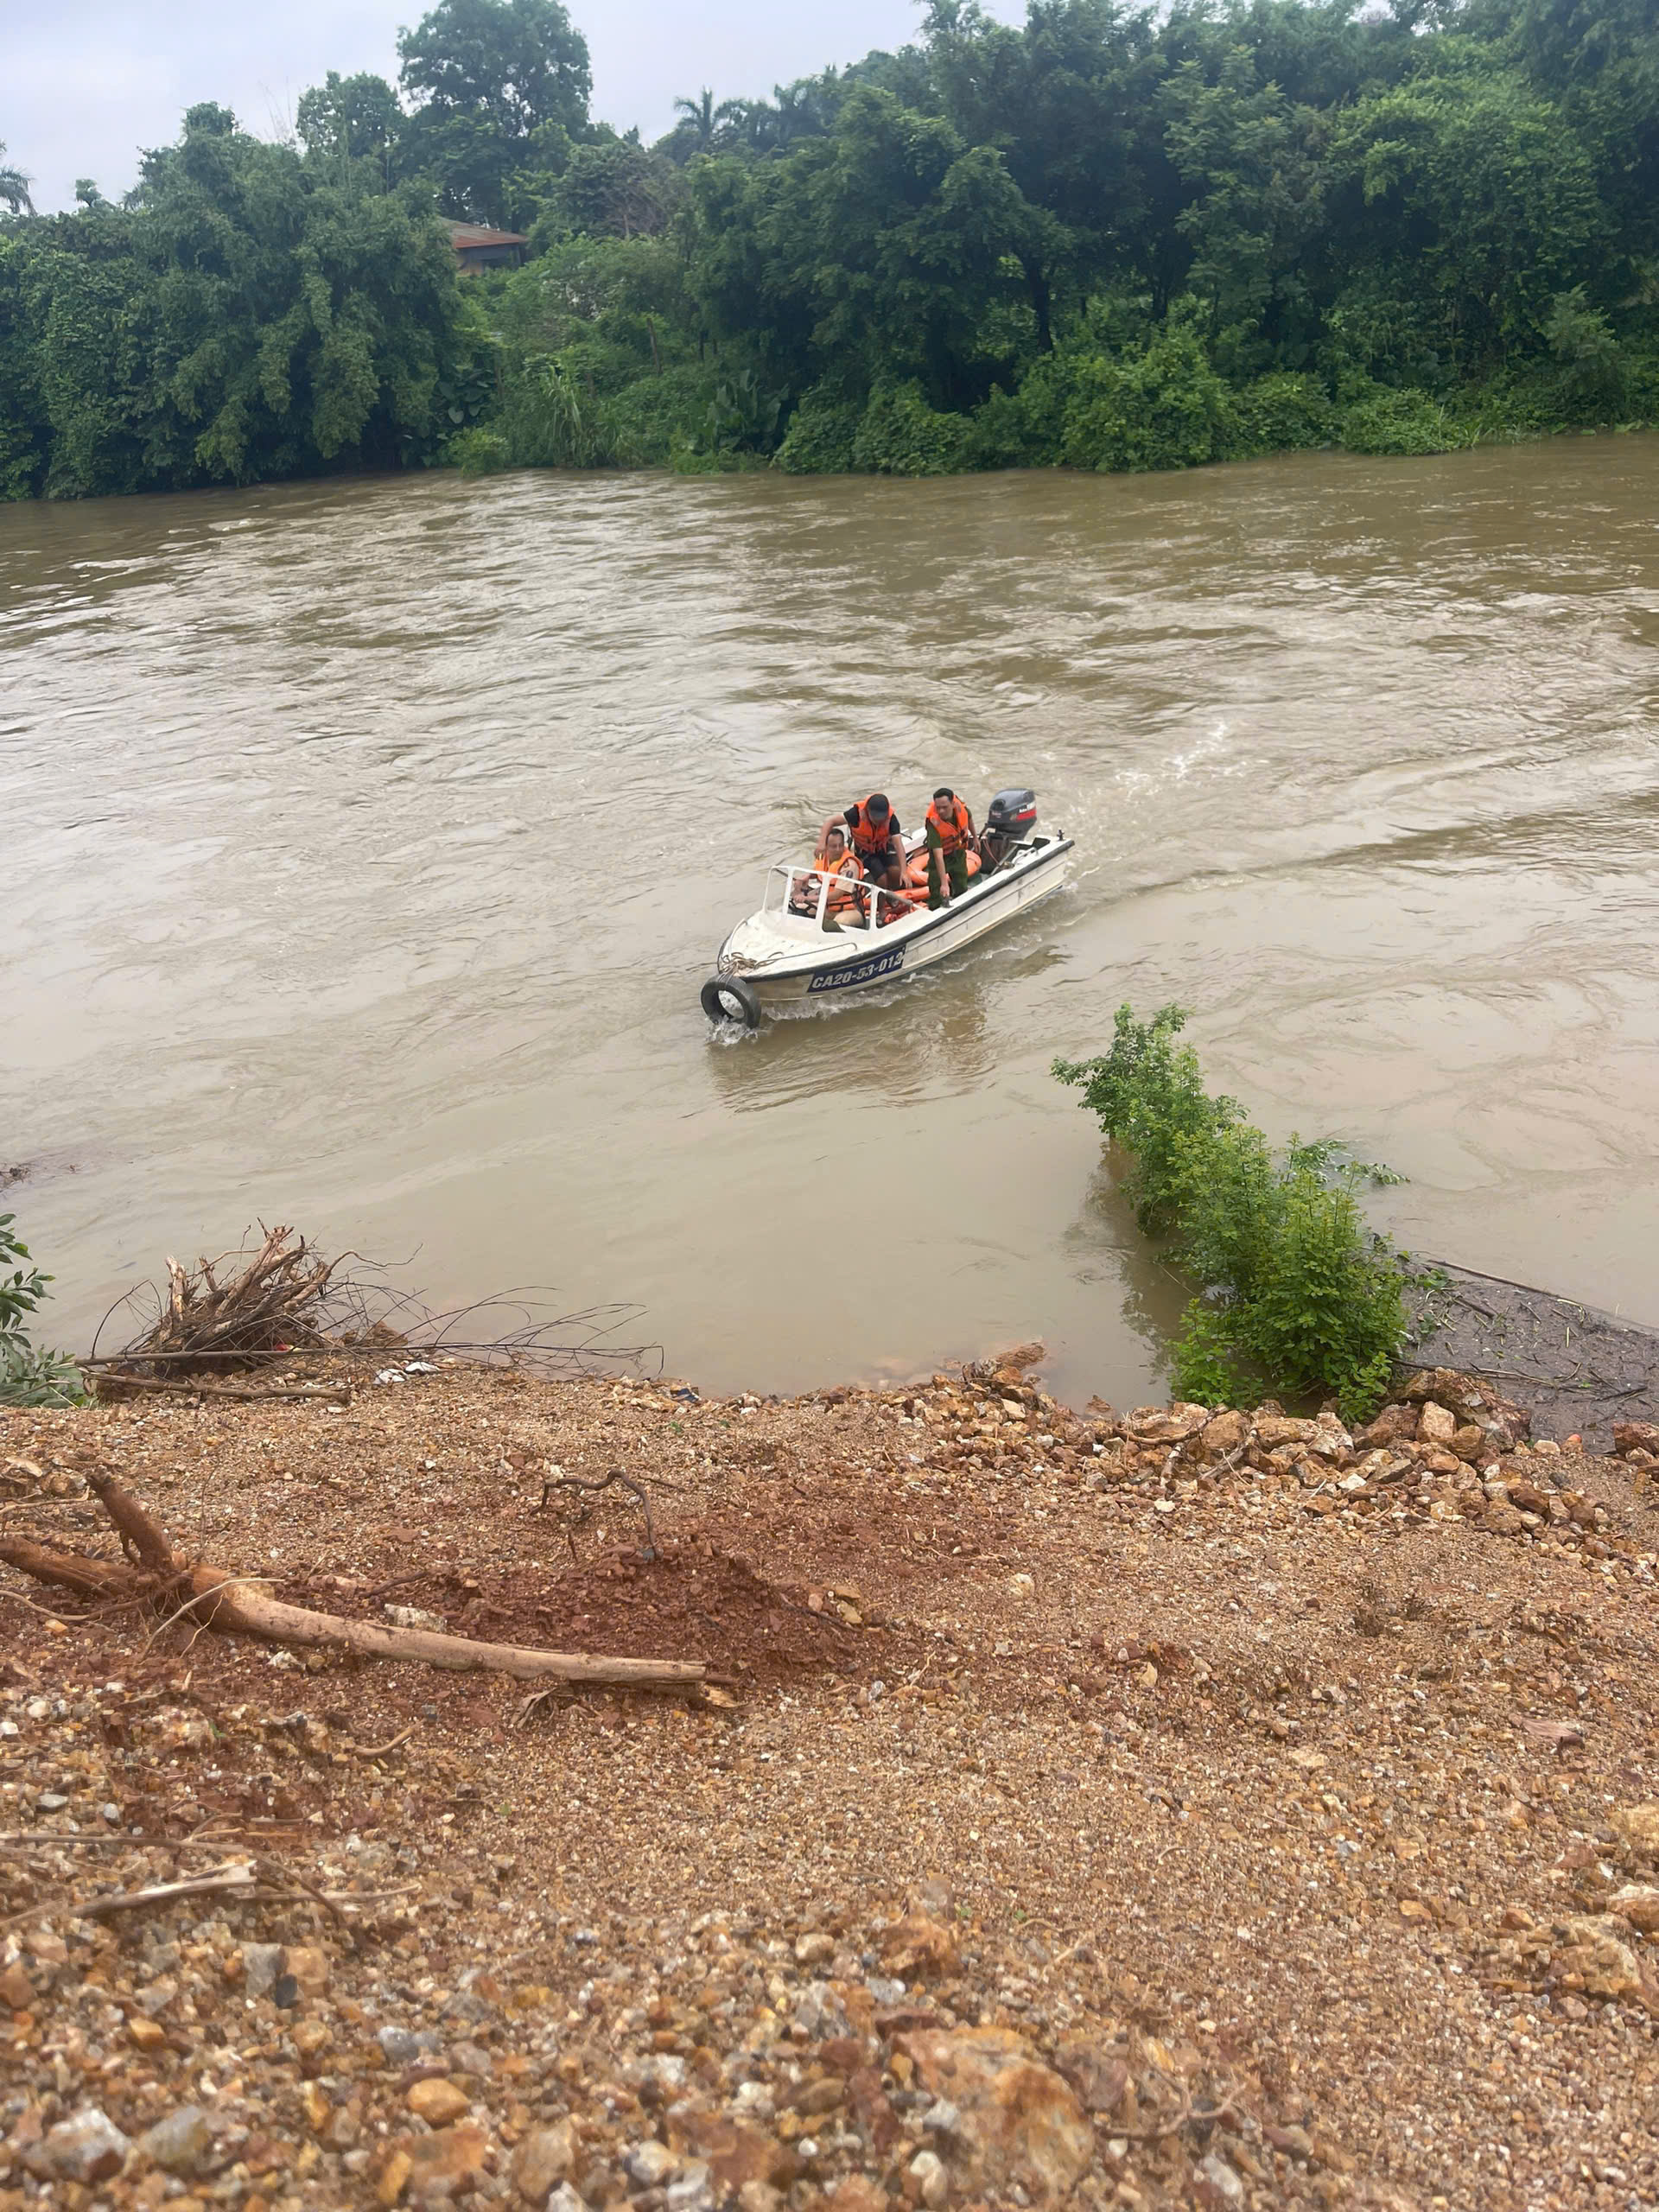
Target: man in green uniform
point(950, 838)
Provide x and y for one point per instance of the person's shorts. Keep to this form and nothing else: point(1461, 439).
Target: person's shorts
point(888, 863)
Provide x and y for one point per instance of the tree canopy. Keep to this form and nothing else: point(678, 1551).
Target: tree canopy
point(1118, 235)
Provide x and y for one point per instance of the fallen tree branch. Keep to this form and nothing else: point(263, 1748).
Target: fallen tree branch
point(266, 1306)
point(139, 1534)
point(214, 1599)
point(86, 1578)
point(235, 1875)
point(250, 1613)
point(53, 1839)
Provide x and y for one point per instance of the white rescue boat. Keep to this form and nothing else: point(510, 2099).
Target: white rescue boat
point(815, 934)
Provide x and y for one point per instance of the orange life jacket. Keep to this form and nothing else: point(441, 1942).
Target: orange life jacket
point(840, 892)
point(954, 828)
point(869, 841)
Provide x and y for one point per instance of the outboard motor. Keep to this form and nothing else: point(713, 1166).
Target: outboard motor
point(1010, 820)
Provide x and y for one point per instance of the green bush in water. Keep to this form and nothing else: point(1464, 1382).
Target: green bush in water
point(902, 435)
point(1591, 371)
point(479, 452)
point(1408, 422)
point(1164, 407)
point(819, 439)
point(556, 416)
point(28, 1377)
point(1015, 430)
point(1285, 414)
point(1297, 1294)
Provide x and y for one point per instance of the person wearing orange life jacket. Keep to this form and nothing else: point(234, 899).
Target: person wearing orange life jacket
point(950, 838)
point(834, 859)
point(878, 843)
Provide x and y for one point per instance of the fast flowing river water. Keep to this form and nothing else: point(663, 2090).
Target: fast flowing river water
point(364, 845)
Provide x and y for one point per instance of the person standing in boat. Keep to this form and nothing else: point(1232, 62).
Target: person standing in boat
point(950, 838)
point(878, 843)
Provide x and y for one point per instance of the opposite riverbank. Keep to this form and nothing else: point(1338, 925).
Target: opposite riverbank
point(1138, 1809)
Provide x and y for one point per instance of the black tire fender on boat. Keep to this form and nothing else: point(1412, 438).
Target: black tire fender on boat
point(731, 998)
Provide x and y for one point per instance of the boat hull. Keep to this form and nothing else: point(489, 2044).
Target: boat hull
point(883, 957)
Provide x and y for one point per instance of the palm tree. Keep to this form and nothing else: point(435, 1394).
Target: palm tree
point(14, 188)
point(699, 119)
point(703, 127)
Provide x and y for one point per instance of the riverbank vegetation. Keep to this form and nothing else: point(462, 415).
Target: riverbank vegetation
point(28, 1374)
point(1114, 237)
point(1293, 1292)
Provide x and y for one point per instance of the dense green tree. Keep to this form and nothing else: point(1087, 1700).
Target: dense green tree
point(515, 63)
point(353, 118)
point(611, 186)
point(490, 75)
point(250, 316)
point(1465, 192)
point(703, 123)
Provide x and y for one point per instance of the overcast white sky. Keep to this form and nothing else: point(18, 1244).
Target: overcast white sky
point(84, 85)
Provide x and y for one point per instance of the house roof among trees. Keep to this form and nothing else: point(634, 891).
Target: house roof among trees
point(465, 235)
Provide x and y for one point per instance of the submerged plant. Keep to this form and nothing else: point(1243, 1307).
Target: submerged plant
point(1294, 1290)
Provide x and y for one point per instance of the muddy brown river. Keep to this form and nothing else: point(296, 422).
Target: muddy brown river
point(365, 844)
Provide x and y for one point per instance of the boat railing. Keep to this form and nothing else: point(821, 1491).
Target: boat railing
point(801, 892)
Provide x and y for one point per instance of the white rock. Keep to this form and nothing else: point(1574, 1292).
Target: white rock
point(182, 2143)
point(693, 2191)
point(1222, 2178)
point(88, 2146)
point(651, 2164)
point(929, 2170)
point(416, 1617)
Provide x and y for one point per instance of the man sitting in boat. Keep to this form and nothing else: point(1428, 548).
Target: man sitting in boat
point(878, 843)
point(833, 859)
point(950, 839)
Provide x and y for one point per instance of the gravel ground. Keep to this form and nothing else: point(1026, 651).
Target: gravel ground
point(1133, 1809)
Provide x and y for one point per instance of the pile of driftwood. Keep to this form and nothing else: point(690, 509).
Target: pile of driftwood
point(236, 1311)
point(278, 1298)
point(150, 1576)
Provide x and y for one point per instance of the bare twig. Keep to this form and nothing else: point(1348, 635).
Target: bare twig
point(235, 1875)
point(50, 1839)
point(616, 1475)
point(380, 1751)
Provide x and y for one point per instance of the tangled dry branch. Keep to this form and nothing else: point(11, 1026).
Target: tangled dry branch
point(238, 1309)
point(278, 1297)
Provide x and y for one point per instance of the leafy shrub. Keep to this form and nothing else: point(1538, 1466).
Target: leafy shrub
point(479, 452)
point(743, 415)
point(1297, 1294)
point(556, 416)
point(819, 439)
point(28, 1376)
point(1013, 429)
point(1163, 408)
point(1642, 383)
point(1285, 414)
point(1409, 422)
point(902, 435)
point(1591, 367)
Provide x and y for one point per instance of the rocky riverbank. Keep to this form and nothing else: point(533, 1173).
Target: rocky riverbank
point(1124, 1809)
